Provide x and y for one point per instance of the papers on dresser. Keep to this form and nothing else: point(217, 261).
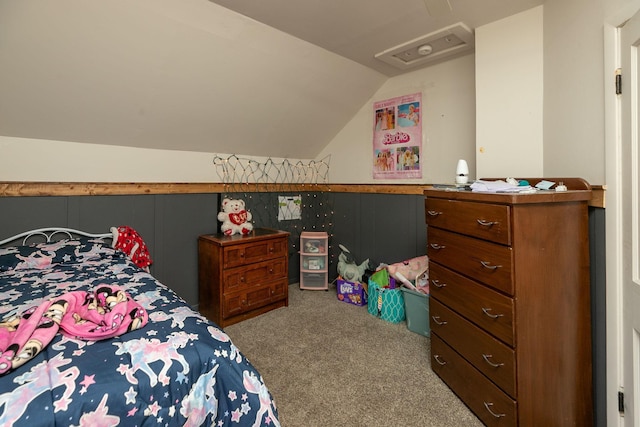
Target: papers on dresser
point(500, 187)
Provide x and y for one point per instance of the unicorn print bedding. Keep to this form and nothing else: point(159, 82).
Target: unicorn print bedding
point(87, 338)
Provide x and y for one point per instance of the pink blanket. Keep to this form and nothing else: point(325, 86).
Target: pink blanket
point(106, 312)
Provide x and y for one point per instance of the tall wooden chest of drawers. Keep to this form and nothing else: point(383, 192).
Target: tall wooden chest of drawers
point(242, 276)
point(510, 304)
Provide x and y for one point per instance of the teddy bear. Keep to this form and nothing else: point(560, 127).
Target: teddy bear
point(234, 217)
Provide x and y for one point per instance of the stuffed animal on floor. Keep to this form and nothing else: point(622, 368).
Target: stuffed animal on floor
point(130, 242)
point(234, 217)
point(347, 267)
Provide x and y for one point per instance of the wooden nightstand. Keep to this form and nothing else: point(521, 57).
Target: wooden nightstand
point(242, 276)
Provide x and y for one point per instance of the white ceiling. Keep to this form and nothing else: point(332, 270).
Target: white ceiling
point(359, 29)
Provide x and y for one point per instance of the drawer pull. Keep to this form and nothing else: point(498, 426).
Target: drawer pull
point(493, 316)
point(437, 246)
point(436, 320)
point(488, 406)
point(434, 213)
point(486, 358)
point(437, 359)
point(486, 223)
point(487, 265)
point(437, 284)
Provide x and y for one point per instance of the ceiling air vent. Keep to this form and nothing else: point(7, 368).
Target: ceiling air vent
point(445, 43)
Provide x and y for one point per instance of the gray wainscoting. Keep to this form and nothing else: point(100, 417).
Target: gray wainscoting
point(382, 227)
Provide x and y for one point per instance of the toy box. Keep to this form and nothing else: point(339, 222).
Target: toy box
point(416, 305)
point(351, 292)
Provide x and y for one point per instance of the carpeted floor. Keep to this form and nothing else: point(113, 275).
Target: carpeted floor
point(329, 363)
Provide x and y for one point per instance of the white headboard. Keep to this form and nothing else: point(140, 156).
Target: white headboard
point(50, 234)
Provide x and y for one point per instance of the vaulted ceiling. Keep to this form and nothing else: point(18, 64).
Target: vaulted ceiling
point(273, 78)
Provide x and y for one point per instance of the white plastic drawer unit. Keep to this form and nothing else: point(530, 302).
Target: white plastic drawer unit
point(314, 260)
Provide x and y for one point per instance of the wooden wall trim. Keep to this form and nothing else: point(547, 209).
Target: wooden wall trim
point(26, 189)
point(23, 189)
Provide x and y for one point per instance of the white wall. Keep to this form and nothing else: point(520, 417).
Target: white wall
point(24, 159)
point(573, 89)
point(487, 109)
point(540, 103)
point(448, 134)
point(509, 101)
point(448, 125)
point(573, 112)
point(38, 160)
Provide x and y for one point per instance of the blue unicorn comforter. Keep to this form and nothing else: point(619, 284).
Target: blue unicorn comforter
point(179, 369)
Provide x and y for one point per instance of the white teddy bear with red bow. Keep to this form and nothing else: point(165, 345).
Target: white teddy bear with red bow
point(234, 217)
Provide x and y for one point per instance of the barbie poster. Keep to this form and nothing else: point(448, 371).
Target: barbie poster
point(397, 137)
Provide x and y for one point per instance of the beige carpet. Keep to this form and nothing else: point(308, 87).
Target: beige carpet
point(329, 363)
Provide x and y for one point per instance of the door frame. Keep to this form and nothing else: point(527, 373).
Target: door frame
point(613, 222)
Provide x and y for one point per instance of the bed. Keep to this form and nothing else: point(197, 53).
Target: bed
point(169, 367)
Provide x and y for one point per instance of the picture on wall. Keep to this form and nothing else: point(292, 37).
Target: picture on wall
point(397, 137)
